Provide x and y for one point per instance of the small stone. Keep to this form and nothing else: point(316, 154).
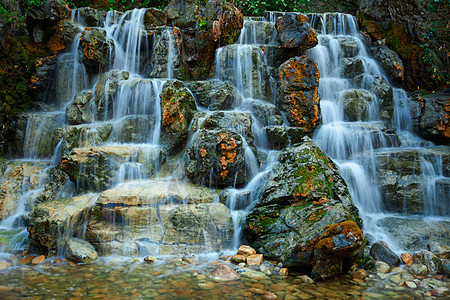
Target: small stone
point(410, 284)
point(396, 278)
point(257, 291)
point(284, 271)
point(265, 270)
point(238, 258)
point(380, 251)
point(418, 269)
point(407, 258)
point(3, 265)
point(246, 250)
point(224, 272)
point(206, 285)
point(241, 265)
point(38, 260)
point(382, 267)
point(440, 292)
point(255, 259)
point(446, 266)
point(270, 296)
point(80, 251)
point(360, 274)
point(306, 279)
point(149, 259)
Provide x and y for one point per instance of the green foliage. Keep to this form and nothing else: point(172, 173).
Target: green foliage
point(258, 7)
point(36, 3)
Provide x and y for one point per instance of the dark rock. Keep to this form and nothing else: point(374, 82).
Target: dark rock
point(181, 13)
point(380, 251)
point(431, 116)
point(303, 193)
point(356, 104)
point(352, 67)
point(80, 251)
point(68, 32)
point(294, 31)
point(91, 16)
point(216, 158)
point(440, 250)
point(106, 87)
point(381, 88)
point(51, 10)
point(215, 95)
point(391, 63)
point(298, 93)
point(177, 111)
point(95, 49)
point(77, 112)
point(154, 17)
point(446, 266)
point(280, 137)
point(165, 40)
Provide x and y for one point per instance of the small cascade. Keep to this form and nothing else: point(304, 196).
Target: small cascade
point(367, 152)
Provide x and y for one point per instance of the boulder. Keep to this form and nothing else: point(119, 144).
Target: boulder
point(418, 269)
point(357, 104)
point(159, 217)
point(280, 137)
point(303, 193)
point(154, 17)
point(349, 46)
point(298, 96)
point(177, 110)
point(381, 88)
point(403, 177)
point(431, 261)
point(51, 10)
point(97, 168)
point(68, 32)
point(265, 113)
point(53, 223)
point(380, 251)
point(352, 67)
point(217, 158)
point(197, 55)
point(440, 250)
point(105, 89)
point(215, 95)
point(77, 112)
point(91, 17)
point(431, 116)
point(181, 13)
point(166, 61)
point(95, 49)
point(294, 32)
point(391, 63)
point(80, 251)
point(413, 235)
point(338, 245)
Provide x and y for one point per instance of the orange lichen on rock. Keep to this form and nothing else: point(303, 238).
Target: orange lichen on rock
point(228, 147)
point(321, 201)
point(349, 229)
point(444, 125)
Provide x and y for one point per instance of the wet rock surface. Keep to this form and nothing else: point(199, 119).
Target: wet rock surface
point(294, 31)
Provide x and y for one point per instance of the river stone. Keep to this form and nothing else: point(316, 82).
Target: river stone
point(294, 32)
point(80, 251)
point(216, 159)
point(95, 49)
point(177, 111)
point(297, 96)
point(51, 223)
point(3, 265)
point(431, 261)
point(303, 193)
point(418, 269)
point(77, 112)
point(381, 267)
point(440, 250)
point(224, 273)
point(446, 266)
point(380, 251)
point(431, 116)
point(215, 95)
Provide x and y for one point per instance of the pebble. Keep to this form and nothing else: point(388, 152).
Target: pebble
point(411, 284)
point(3, 265)
point(306, 279)
point(407, 258)
point(360, 274)
point(149, 259)
point(206, 285)
point(38, 260)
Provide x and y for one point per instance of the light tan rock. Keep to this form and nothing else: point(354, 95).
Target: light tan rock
point(238, 259)
point(246, 250)
point(224, 272)
point(255, 259)
point(38, 260)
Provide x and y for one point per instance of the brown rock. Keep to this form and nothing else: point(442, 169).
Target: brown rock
point(149, 259)
point(25, 260)
point(255, 259)
point(246, 250)
point(239, 258)
point(38, 260)
point(284, 271)
point(224, 272)
point(360, 274)
point(407, 258)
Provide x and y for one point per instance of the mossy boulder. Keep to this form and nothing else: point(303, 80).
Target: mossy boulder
point(298, 92)
point(177, 110)
point(294, 32)
point(303, 193)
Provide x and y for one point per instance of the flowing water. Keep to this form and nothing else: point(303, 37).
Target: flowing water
point(133, 83)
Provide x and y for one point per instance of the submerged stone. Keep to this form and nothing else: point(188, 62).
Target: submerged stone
point(380, 251)
point(80, 251)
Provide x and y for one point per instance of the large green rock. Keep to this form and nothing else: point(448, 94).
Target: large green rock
point(303, 193)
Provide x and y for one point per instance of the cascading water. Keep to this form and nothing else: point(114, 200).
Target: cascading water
point(356, 143)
